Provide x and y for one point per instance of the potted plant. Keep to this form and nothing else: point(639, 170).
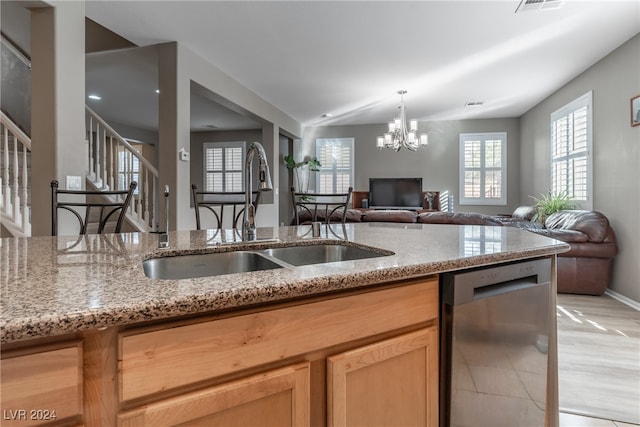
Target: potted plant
point(302, 171)
point(550, 203)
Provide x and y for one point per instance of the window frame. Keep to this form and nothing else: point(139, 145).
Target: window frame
point(483, 200)
point(583, 101)
point(350, 142)
point(223, 145)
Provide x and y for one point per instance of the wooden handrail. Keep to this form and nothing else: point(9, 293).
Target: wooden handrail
point(15, 130)
point(123, 141)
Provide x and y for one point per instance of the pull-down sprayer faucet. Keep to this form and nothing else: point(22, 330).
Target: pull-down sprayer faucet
point(248, 218)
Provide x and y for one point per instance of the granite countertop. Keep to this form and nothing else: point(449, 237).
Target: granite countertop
point(58, 285)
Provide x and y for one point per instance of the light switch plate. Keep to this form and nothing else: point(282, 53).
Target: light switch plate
point(74, 182)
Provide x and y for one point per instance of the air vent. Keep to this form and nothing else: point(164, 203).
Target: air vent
point(529, 5)
point(473, 103)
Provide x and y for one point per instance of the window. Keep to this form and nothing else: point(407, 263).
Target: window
point(223, 170)
point(483, 168)
point(570, 148)
point(336, 157)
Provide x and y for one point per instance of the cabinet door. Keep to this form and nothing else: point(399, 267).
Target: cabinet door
point(42, 387)
point(275, 398)
point(389, 383)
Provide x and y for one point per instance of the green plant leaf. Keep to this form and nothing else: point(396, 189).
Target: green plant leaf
point(550, 203)
point(314, 164)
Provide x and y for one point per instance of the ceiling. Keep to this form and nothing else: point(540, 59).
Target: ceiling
point(349, 58)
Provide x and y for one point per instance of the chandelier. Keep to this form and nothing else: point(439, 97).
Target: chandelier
point(400, 135)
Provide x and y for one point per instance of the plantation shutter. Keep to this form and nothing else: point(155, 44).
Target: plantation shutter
point(223, 166)
point(336, 157)
point(570, 154)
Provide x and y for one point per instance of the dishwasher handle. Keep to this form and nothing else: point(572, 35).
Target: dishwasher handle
point(466, 287)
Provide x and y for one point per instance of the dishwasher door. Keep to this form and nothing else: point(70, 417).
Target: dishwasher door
point(494, 342)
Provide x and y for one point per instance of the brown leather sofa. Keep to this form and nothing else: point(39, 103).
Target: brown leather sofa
point(584, 269)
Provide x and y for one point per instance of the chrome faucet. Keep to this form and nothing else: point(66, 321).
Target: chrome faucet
point(249, 215)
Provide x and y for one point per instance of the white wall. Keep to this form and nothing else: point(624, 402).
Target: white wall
point(179, 67)
point(616, 153)
point(57, 106)
point(437, 164)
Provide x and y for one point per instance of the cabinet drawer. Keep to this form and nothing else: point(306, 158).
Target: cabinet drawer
point(159, 360)
point(42, 386)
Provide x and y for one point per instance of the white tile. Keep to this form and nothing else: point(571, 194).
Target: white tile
point(571, 420)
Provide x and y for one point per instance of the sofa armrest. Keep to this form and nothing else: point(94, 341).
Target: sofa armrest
point(592, 223)
point(567, 236)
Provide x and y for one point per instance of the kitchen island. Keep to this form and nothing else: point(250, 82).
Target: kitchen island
point(80, 319)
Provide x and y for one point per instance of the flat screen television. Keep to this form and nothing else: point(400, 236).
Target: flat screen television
point(395, 193)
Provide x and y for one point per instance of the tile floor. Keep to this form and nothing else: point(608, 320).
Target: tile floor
point(571, 420)
point(586, 326)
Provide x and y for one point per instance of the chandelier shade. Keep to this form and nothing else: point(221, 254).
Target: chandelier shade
point(400, 135)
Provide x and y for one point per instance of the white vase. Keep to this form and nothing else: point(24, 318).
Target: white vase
point(301, 179)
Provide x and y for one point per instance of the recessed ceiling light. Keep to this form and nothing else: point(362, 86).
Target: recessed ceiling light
point(96, 97)
point(157, 90)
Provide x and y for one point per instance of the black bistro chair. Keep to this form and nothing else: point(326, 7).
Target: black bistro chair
point(101, 208)
point(215, 202)
point(321, 207)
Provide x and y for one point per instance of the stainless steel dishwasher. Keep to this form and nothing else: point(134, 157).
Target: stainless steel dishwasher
point(494, 343)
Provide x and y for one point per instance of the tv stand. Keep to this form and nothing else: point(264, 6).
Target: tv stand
point(358, 196)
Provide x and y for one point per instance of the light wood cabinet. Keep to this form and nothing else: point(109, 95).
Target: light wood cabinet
point(275, 398)
point(392, 382)
point(41, 385)
point(157, 359)
point(297, 363)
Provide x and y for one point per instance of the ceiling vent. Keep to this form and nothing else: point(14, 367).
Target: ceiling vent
point(528, 5)
point(473, 103)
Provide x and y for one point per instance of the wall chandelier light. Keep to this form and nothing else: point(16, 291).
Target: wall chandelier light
point(400, 135)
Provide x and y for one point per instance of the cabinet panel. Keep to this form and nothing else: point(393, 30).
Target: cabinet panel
point(159, 360)
point(41, 387)
point(393, 382)
point(276, 398)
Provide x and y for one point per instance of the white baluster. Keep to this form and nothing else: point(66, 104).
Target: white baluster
point(96, 157)
point(105, 179)
point(140, 194)
point(6, 188)
point(146, 197)
point(16, 194)
point(90, 140)
point(111, 177)
point(26, 220)
point(114, 156)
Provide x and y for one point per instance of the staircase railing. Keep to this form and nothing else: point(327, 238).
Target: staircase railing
point(14, 177)
point(113, 163)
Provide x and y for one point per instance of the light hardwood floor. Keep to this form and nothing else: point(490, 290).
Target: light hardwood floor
point(599, 362)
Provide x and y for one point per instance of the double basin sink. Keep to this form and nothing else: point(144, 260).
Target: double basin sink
point(243, 261)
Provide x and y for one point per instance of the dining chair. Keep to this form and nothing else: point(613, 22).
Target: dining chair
point(322, 207)
point(98, 208)
point(216, 201)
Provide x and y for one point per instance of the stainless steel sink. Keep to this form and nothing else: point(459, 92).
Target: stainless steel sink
point(203, 265)
point(320, 254)
point(243, 261)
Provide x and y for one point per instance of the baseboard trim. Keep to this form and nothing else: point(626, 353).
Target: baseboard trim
point(628, 301)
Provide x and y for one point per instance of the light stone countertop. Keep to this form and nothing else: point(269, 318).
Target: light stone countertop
point(58, 285)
